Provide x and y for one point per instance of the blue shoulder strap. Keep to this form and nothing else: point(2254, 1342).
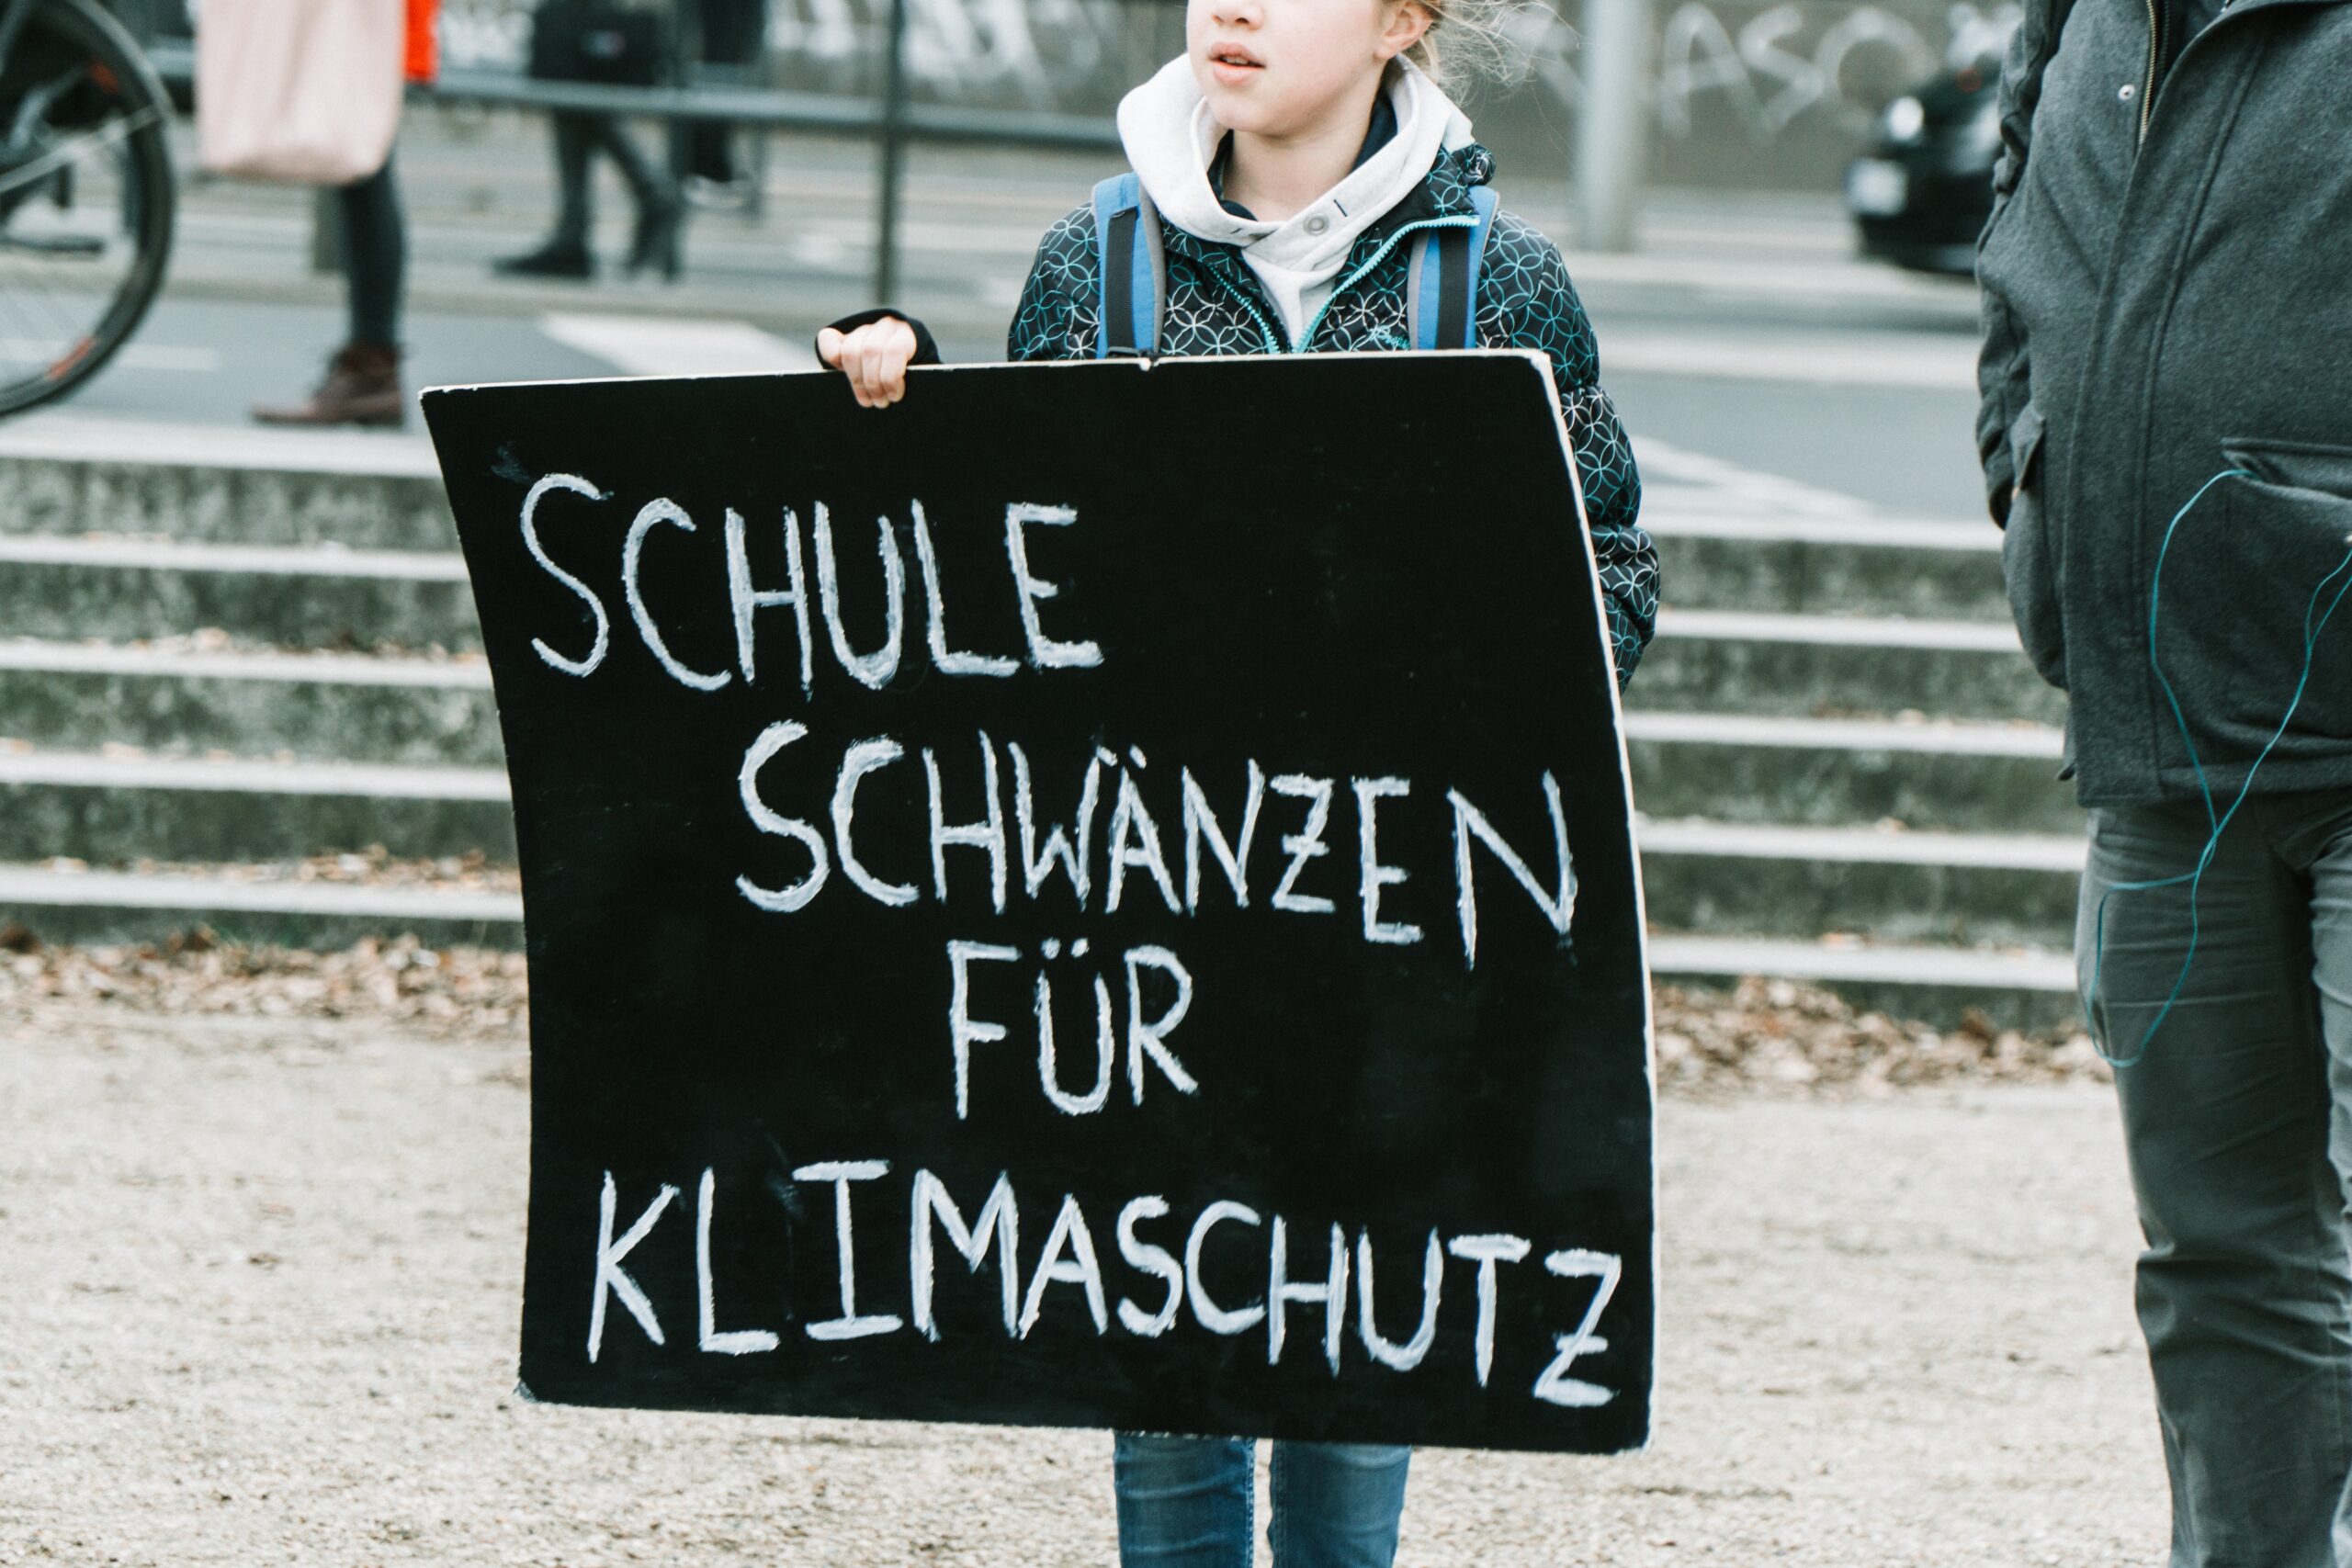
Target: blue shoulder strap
point(1441, 296)
point(1127, 243)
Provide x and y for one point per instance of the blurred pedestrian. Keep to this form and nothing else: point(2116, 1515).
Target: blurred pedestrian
point(2164, 436)
point(362, 384)
point(731, 34)
point(618, 44)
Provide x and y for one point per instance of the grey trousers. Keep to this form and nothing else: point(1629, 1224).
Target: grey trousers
point(2238, 1123)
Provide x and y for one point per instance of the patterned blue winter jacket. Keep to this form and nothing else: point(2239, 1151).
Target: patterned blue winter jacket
point(1214, 305)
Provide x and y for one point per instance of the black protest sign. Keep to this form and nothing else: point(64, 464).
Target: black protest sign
point(1100, 896)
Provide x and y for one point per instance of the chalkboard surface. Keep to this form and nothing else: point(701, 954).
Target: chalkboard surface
point(1100, 896)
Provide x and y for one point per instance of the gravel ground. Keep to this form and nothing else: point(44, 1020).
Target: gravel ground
point(262, 1216)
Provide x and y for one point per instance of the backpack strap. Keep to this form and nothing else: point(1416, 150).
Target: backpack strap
point(1133, 268)
point(1441, 280)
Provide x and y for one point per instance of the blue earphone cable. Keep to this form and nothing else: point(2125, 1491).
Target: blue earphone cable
point(2219, 822)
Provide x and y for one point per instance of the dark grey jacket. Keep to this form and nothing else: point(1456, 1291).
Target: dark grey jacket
point(2161, 307)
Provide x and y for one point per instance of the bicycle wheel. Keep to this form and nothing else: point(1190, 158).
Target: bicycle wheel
point(85, 198)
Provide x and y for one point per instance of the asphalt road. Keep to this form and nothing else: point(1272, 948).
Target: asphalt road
point(1745, 328)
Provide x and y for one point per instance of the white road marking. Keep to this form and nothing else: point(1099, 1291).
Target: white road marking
point(1912, 361)
point(668, 346)
point(131, 355)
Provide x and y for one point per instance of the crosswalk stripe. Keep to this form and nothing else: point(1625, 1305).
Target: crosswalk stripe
point(669, 346)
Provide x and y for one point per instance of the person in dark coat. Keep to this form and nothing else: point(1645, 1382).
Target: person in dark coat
point(2167, 434)
point(578, 135)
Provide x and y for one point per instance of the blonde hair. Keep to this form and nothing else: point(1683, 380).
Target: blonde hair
point(1468, 42)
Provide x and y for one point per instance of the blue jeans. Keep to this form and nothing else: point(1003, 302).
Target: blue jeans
point(2238, 1122)
point(1185, 1502)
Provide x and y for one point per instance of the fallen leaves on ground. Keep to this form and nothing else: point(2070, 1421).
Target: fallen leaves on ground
point(1763, 1036)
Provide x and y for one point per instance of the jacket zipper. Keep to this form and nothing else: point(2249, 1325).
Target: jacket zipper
point(2155, 54)
point(1460, 221)
point(1273, 344)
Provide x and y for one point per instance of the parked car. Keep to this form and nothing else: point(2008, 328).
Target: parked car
point(1921, 192)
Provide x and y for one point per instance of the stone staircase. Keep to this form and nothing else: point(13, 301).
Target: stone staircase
point(228, 654)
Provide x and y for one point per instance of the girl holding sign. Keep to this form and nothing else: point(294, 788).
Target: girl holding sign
point(1303, 184)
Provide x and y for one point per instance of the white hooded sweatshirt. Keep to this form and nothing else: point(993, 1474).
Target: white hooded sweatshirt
point(1172, 138)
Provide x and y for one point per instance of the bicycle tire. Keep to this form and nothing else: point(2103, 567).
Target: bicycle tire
point(118, 77)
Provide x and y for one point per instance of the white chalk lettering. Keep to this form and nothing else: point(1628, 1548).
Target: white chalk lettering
point(1488, 1250)
point(1073, 847)
point(1405, 1357)
point(999, 1219)
point(1281, 1291)
point(1200, 826)
point(735, 1342)
point(1559, 908)
point(1556, 1386)
point(604, 640)
point(1106, 1051)
point(1135, 841)
point(1149, 1039)
point(611, 1279)
point(946, 661)
point(1069, 1234)
point(1375, 876)
point(986, 834)
point(859, 760)
point(649, 517)
point(962, 1030)
point(872, 670)
point(1156, 1262)
point(1212, 1317)
point(849, 1324)
point(1045, 653)
point(1306, 844)
point(786, 900)
point(747, 601)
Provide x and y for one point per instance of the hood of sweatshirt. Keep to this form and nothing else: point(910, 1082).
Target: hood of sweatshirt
point(1172, 138)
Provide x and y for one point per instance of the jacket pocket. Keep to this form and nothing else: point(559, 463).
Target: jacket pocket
point(2031, 560)
point(2237, 621)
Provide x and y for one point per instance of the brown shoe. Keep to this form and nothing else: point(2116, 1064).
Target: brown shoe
point(362, 387)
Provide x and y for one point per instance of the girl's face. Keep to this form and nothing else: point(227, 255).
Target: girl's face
point(1286, 68)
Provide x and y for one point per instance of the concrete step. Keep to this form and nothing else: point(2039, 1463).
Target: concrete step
point(75, 906)
point(1955, 889)
point(114, 807)
point(63, 475)
point(1714, 558)
point(310, 596)
point(2023, 987)
point(322, 707)
point(1762, 662)
point(1951, 776)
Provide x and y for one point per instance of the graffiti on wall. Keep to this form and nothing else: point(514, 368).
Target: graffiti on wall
point(1792, 61)
point(1773, 71)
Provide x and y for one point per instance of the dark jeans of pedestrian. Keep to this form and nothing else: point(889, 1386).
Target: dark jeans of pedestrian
point(731, 32)
point(580, 134)
point(2238, 1122)
point(375, 254)
point(1185, 1502)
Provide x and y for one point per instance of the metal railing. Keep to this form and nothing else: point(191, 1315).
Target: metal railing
point(893, 118)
